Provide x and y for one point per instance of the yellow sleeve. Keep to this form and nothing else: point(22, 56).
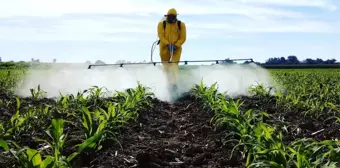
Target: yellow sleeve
point(161, 33)
point(182, 35)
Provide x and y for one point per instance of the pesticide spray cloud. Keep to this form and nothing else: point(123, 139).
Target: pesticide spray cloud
point(75, 78)
point(234, 79)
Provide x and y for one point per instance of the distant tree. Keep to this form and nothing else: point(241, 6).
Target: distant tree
point(292, 59)
point(54, 60)
point(308, 61)
point(319, 61)
point(283, 60)
point(226, 61)
point(0, 59)
point(330, 61)
point(122, 62)
point(99, 62)
point(276, 60)
point(88, 62)
point(35, 60)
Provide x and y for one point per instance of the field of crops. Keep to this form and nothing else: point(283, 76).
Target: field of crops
point(295, 125)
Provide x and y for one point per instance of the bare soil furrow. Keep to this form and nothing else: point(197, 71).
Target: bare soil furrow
point(169, 135)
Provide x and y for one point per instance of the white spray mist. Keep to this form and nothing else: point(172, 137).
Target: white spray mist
point(235, 79)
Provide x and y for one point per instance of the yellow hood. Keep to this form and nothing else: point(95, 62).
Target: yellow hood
point(172, 11)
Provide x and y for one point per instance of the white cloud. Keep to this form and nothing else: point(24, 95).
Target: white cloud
point(59, 7)
point(249, 26)
point(104, 20)
point(325, 4)
point(100, 30)
point(76, 29)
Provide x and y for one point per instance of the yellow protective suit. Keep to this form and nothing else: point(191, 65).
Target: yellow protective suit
point(171, 35)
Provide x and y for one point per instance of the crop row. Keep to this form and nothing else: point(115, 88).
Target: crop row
point(315, 93)
point(60, 133)
point(259, 144)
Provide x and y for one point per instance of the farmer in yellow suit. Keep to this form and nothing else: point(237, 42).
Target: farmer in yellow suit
point(172, 35)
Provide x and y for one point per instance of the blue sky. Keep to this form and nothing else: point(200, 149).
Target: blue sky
point(111, 30)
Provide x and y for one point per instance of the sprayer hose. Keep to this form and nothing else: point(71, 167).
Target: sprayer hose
point(153, 49)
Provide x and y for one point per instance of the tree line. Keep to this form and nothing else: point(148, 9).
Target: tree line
point(292, 59)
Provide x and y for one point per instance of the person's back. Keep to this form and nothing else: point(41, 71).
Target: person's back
point(172, 35)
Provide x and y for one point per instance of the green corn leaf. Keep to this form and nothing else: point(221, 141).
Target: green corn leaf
point(4, 144)
point(47, 162)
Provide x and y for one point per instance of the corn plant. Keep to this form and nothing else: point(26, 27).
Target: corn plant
point(261, 144)
point(28, 157)
point(15, 125)
point(210, 96)
point(309, 153)
point(265, 148)
point(38, 93)
point(32, 158)
point(108, 122)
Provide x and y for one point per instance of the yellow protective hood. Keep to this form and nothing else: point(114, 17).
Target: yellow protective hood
point(172, 11)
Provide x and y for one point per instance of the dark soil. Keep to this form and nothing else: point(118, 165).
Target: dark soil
point(169, 135)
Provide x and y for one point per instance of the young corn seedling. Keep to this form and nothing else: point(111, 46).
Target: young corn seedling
point(95, 95)
point(309, 153)
point(15, 126)
point(260, 91)
point(37, 94)
point(56, 133)
point(98, 126)
point(266, 149)
point(93, 126)
point(32, 158)
point(208, 96)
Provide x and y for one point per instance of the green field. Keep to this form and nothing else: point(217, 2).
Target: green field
point(294, 125)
